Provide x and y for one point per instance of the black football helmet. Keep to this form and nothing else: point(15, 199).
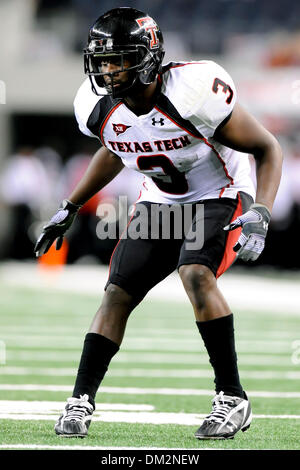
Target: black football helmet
point(130, 39)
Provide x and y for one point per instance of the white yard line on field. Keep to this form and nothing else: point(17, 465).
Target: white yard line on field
point(39, 410)
point(271, 295)
point(135, 332)
point(149, 358)
point(76, 447)
point(153, 373)
point(143, 391)
point(25, 407)
point(143, 343)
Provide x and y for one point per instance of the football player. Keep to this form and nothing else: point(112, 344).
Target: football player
point(181, 126)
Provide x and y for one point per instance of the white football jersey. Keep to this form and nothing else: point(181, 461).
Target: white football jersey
point(173, 145)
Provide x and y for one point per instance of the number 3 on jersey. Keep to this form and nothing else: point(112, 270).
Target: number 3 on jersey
point(177, 183)
point(225, 87)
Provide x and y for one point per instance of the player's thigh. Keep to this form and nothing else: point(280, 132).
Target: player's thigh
point(139, 263)
point(213, 246)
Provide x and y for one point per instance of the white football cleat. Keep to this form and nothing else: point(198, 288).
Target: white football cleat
point(228, 416)
point(76, 418)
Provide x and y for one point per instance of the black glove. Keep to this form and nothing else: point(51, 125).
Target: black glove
point(56, 227)
point(254, 225)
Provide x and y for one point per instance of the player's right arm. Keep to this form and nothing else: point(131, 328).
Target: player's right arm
point(104, 166)
point(102, 169)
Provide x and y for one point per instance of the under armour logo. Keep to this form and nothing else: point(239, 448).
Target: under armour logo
point(265, 225)
point(161, 121)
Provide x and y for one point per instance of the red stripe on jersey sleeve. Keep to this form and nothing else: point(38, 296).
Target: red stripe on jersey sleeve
point(187, 63)
point(231, 180)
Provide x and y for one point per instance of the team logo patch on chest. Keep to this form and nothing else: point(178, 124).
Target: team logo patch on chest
point(120, 128)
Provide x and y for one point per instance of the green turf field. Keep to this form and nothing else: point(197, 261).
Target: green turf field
point(158, 387)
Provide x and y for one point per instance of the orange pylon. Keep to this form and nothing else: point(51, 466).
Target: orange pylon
point(54, 259)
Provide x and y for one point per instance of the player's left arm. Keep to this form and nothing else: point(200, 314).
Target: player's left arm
point(242, 132)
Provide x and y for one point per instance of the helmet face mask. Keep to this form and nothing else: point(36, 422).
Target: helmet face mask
point(132, 42)
point(129, 61)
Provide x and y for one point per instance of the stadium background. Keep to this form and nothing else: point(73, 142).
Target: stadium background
point(255, 40)
point(43, 154)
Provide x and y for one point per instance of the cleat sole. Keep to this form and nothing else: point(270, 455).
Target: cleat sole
point(219, 438)
point(245, 428)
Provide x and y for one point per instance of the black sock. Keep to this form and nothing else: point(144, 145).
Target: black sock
point(218, 337)
point(95, 358)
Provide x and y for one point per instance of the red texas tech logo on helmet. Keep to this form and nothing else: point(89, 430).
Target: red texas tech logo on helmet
point(149, 25)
